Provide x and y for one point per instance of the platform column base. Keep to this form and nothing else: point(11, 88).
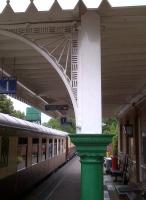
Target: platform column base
point(91, 148)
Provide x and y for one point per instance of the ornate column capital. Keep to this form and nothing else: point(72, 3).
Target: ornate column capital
point(91, 144)
point(91, 149)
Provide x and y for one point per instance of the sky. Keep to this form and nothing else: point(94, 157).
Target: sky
point(18, 105)
point(21, 5)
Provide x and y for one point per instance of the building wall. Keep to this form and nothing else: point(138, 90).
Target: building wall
point(129, 145)
point(142, 143)
point(134, 146)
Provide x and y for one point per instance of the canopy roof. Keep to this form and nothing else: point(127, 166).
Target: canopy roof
point(123, 35)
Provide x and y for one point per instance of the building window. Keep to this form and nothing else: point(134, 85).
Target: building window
point(4, 151)
point(35, 150)
point(55, 147)
point(22, 153)
point(144, 147)
point(50, 148)
point(43, 149)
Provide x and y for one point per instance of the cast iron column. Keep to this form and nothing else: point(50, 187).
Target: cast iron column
point(91, 148)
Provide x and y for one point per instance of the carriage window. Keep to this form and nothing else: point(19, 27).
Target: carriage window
point(59, 146)
point(35, 150)
point(62, 146)
point(43, 150)
point(4, 151)
point(55, 147)
point(22, 153)
point(50, 148)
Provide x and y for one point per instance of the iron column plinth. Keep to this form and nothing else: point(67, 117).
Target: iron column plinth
point(91, 148)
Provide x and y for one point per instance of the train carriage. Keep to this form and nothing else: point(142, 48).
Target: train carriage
point(28, 153)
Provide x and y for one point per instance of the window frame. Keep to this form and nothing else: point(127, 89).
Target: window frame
point(44, 153)
point(35, 143)
point(21, 145)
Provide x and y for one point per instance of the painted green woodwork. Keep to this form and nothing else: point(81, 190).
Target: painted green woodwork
point(91, 148)
point(33, 115)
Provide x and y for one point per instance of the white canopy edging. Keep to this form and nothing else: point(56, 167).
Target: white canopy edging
point(46, 5)
point(48, 58)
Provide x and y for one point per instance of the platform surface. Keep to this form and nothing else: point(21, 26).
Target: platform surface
point(61, 185)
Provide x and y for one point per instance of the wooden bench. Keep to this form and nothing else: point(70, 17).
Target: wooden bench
point(132, 192)
point(122, 171)
point(134, 196)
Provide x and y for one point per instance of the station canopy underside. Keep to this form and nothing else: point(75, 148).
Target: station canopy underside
point(123, 48)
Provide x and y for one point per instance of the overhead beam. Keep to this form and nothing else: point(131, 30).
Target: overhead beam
point(17, 53)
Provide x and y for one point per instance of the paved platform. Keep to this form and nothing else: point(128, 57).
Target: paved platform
point(61, 185)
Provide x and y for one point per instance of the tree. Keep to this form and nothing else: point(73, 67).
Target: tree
point(53, 123)
point(18, 114)
point(6, 106)
point(111, 127)
point(115, 144)
point(67, 127)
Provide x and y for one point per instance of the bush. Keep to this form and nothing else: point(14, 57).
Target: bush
point(115, 145)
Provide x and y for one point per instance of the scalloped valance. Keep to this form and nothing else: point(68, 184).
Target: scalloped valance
point(46, 5)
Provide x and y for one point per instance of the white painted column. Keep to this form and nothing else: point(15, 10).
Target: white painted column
point(89, 75)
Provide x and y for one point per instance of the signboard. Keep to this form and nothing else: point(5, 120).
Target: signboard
point(33, 115)
point(8, 85)
point(63, 120)
point(56, 107)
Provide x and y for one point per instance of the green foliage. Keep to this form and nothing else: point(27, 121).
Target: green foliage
point(110, 126)
point(115, 145)
point(6, 106)
point(18, 114)
point(55, 123)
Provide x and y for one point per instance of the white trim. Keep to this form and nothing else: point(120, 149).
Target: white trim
point(48, 58)
point(135, 100)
